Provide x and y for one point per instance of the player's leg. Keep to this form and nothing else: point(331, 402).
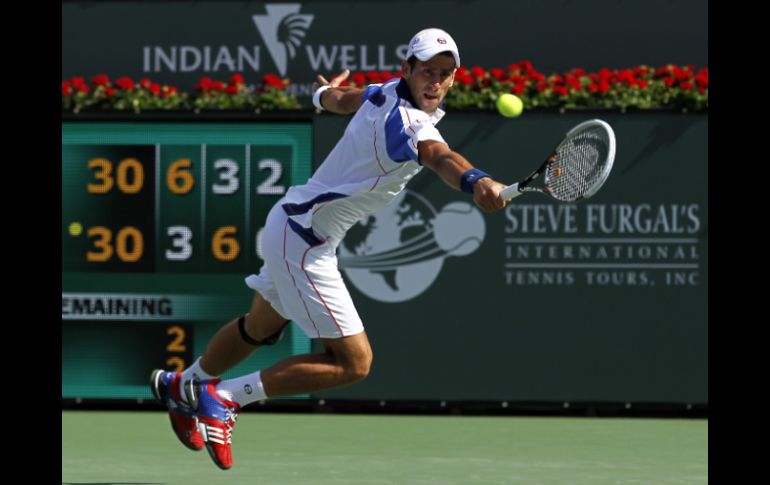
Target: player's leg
point(230, 345)
point(241, 337)
point(301, 280)
point(345, 361)
point(218, 403)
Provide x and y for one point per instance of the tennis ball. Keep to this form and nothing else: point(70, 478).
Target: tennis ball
point(509, 105)
point(76, 229)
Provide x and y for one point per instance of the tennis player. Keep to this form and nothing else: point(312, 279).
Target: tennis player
point(391, 137)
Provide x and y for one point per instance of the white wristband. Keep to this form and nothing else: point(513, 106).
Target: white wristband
point(317, 96)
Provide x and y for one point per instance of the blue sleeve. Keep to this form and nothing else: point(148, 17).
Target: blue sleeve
point(401, 147)
point(374, 94)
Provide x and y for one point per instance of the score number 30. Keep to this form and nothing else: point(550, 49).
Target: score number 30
point(129, 178)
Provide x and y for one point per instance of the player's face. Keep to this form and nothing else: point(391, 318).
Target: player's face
point(429, 81)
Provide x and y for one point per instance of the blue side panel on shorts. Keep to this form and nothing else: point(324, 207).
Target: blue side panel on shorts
point(292, 209)
point(305, 233)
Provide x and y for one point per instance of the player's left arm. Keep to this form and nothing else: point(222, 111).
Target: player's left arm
point(338, 99)
point(453, 168)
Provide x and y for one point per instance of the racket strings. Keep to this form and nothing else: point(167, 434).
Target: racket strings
point(579, 165)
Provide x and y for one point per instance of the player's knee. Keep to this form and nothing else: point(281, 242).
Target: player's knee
point(361, 370)
point(360, 367)
point(258, 330)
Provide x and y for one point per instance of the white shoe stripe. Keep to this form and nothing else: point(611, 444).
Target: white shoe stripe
point(216, 441)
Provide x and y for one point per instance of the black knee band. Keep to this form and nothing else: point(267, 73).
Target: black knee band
point(271, 340)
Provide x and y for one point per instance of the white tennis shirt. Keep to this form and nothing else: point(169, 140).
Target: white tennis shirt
point(369, 166)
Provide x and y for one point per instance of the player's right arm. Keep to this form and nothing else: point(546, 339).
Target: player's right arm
point(338, 99)
point(451, 167)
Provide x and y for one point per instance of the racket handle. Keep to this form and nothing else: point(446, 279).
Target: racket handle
point(510, 192)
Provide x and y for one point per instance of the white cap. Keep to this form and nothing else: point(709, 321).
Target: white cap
point(427, 43)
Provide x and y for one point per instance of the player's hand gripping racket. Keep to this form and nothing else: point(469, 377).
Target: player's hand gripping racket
point(576, 169)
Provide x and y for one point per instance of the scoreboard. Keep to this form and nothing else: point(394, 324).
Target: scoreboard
point(161, 222)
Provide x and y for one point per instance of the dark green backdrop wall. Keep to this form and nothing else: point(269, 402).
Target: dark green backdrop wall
point(604, 300)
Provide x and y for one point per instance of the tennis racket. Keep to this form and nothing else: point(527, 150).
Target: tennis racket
point(576, 169)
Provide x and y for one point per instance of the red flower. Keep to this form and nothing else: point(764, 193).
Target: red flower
point(593, 87)
point(556, 79)
point(79, 84)
point(537, 76)
point(386, 75)
point(66, 88)
point(154, 88)
point(145, 83)
point(204, 84)
point(499, 74)
point(169, 90)
point(110, 92)
point(236, 79)
point(574, 83)
point(541, 87)
point(664, 71)
point(477, 72)
point(373, 77)
point(604, 86)
point(358, 79)
point(463, 79)
point(669, 81)
point(125, 83)
point(232, 89)
point(461, 71)
point(100, 80)
point(682, 74)
point(561, 90)
point(626, 76)
point(518, 89)
point(642, 83)
point(273, 81)
point(578, 72)
point(525, 66)
point(687, 85)
point(702, 78)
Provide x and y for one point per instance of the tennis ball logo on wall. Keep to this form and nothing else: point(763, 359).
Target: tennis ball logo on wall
point(398, 252)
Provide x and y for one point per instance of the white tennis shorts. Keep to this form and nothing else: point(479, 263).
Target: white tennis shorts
point(301, 280)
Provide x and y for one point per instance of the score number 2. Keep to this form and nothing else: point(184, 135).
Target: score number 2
point(176, 345)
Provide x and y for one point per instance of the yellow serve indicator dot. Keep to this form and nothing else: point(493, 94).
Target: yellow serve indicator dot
point(76, 229)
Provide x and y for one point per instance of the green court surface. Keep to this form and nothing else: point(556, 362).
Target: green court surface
point(100, 448)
